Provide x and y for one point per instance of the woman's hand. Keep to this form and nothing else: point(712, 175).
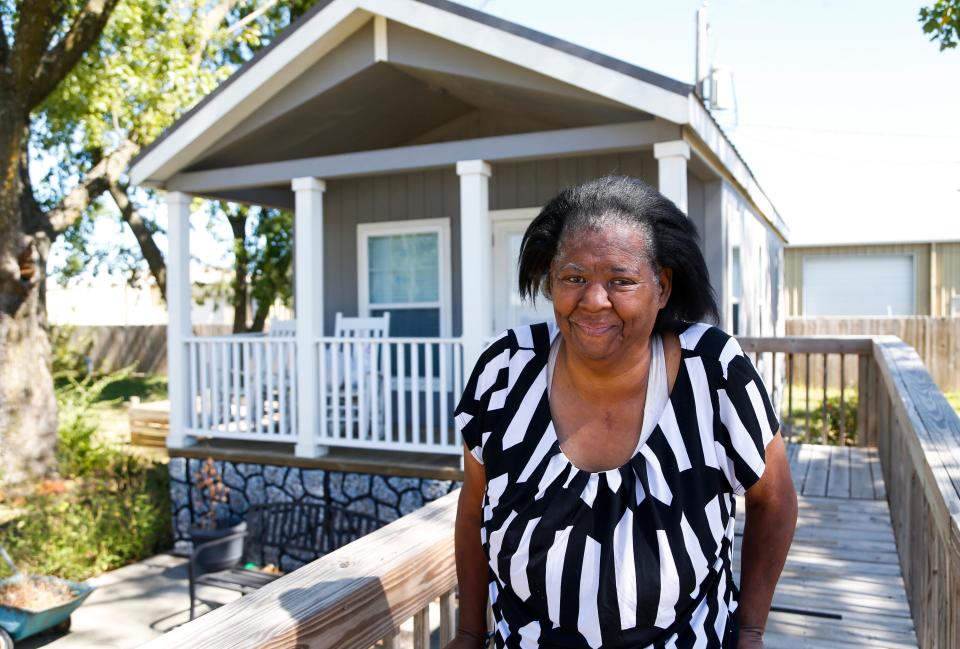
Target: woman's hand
point(750, 637)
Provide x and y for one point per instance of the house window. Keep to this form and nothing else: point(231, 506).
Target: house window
point(404, 268)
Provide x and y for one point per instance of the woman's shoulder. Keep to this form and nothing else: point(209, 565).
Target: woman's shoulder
point(534, 337)
point(709, 342)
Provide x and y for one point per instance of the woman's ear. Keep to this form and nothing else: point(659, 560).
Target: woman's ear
point(666, 285)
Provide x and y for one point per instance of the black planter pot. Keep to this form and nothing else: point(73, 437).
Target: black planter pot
point(222, 555)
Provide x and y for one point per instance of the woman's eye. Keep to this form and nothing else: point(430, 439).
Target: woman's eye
point(622, 281)
point(573, 279)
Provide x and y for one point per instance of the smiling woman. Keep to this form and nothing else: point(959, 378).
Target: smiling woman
point(603, 451)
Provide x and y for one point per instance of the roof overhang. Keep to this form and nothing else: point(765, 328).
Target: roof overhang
point(561, 67)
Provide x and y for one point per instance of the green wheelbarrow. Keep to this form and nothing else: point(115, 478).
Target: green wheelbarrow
point(17, 623)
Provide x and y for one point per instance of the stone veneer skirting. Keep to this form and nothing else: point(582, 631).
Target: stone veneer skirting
point(386, 497)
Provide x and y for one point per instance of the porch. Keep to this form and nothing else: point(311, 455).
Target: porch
point(873, 564)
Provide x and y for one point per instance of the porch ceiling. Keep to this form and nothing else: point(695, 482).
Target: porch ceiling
point(387, 105)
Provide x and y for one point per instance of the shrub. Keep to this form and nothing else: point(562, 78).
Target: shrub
point(798, 419)
point(108, 509)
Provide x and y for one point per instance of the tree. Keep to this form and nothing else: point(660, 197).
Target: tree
point(942, 21)
point(86, 84)
point(38, 49)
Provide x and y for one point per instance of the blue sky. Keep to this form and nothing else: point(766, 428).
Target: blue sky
point(848, 115)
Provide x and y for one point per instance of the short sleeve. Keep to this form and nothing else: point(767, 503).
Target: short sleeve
point(468, 416)
point(748, 423)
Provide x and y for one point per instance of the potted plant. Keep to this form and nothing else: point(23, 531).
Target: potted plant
point(216, 523)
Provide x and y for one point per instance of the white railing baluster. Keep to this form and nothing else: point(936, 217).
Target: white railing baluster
point(348, 390)
point(336, 356)
point(401, 436)
point(281, 387)
point(258, 369)
point(224, 387)
point(235, 399)
point(247, 388)
point(357, 356)
point(389, 434)
point(428, 392)
point(321, 354)
point(194, 384)
point(444, 415)
point(376, 409)
point(415, 428)
point(269, 368)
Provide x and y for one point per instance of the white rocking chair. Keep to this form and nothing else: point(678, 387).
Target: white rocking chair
point(354, 391)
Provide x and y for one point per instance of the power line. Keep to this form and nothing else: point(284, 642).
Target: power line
point(806, 129)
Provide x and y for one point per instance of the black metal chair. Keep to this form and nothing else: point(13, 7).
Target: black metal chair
point(297, 532)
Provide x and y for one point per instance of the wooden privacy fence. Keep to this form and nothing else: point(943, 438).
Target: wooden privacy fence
point(935, 339)
point(142, 346)
point(358, 596)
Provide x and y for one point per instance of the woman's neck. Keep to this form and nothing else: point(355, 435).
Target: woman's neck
point(620, 377)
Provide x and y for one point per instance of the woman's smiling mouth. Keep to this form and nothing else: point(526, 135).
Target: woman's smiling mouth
point(593, 329)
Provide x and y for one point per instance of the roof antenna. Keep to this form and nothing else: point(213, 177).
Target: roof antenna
point(713, 83)
point(701, 74)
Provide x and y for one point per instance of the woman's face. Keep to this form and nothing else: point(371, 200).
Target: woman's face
point(606, 295)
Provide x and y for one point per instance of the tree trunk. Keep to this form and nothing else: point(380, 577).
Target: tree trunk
point(28, 409)
point(238, 224)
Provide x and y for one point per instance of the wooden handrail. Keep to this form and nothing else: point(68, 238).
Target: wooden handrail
point(919, 446)
point(808, 344)
point(349, 599)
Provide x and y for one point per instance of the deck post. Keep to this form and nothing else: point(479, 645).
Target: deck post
point(672, 160)
point(179, 325)
point(308, 308)
point(476, 258)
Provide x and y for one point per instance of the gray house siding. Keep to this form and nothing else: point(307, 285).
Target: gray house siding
point(436, 194)
point(533, 183)
point(396, 197)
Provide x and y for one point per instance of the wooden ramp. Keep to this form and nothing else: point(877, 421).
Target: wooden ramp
point(841, 586)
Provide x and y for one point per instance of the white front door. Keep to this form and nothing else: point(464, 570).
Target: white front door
point(508, 309)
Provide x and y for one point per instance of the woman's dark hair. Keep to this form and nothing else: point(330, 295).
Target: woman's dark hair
point(673, 241)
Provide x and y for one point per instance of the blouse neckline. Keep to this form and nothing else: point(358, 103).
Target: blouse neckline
point(646, 429)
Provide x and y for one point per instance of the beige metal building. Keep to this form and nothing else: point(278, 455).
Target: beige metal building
point(873, 279)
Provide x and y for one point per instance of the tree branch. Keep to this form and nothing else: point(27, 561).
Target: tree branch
point(158, 267)
point(211, 22)
point(95, 182)
point(58, 61)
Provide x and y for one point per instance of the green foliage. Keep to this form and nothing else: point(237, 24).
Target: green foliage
point(942, 21)
point(69, 350)
point(798, 418)
point(111, 508)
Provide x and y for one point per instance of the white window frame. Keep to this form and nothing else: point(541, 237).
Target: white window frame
point(439, 226)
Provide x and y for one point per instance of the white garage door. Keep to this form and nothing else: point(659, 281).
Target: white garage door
point(858, 285)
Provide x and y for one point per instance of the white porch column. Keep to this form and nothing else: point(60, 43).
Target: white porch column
point(179, 326)
point(308, 308)
point(476, 258)
point(672, 158)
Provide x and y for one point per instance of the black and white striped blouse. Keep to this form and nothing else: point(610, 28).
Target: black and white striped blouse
point(637, 556)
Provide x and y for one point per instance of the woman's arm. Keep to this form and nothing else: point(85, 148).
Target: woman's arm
point(767, 533)
point(472, 570)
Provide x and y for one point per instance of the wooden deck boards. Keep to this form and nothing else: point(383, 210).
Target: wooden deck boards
point(843, 561)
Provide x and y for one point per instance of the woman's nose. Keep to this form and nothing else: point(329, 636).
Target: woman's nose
point(595, 296)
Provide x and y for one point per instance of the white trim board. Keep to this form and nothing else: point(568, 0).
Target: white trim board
point(499, 148)
point(442, 227)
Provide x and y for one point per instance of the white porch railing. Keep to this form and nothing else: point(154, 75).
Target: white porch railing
point(243, 387)
point(387, 393)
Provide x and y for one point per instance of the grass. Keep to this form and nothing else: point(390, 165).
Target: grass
point(953, 398)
